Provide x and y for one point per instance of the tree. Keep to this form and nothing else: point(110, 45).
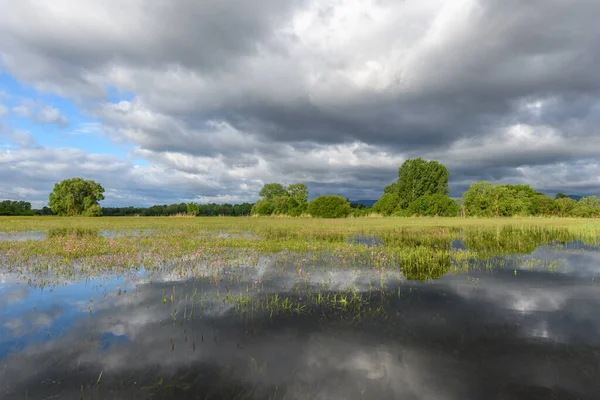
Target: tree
point(76, 196)
point(565, 206)
point(543, 205)
point(299, 192)
point(13, 207)
point(263, 207)
point(329, 207)
point(193, 208)
point(433, 205)
point(477, 200)
point(277, 199)
point(271, 191)
point(587, 207)
point(416, 178)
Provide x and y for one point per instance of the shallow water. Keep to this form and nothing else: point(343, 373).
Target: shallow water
point(325, 332)
point(38, 235)
point(18, 236)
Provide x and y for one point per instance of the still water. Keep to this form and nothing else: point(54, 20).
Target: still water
point(266, 332)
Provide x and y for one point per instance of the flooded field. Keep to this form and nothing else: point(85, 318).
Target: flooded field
point(323, 310)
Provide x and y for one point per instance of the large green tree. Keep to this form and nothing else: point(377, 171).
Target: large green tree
point(76, 196)
point(272, 190)
point(416, 178)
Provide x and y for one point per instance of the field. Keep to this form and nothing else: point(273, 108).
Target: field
point(271, 308)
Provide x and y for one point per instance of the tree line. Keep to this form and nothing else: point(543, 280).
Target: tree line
point(421, 189)
point(12, 207)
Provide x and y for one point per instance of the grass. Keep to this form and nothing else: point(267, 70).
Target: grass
point(422, 248)
point(270, 224)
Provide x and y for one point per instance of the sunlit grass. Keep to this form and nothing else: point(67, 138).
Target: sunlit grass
point(422, 248)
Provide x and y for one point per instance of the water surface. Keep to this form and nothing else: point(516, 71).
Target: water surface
point(260, 331)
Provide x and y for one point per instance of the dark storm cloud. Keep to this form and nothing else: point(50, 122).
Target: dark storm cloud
point(280, 91)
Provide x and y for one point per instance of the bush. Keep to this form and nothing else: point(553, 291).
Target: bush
point(433, 205)
point(587, 207)
point(387, 204)
point(329, 207)
point(93, 211)
point(263, 207)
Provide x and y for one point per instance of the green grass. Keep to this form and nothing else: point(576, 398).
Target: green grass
point(420, 247)
point(274, 224)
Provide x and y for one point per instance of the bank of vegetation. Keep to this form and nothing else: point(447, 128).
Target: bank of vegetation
point(420, 190)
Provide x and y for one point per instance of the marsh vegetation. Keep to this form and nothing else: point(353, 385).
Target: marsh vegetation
point(299, 308)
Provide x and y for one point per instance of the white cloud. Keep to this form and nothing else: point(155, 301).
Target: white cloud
point(51, 115)
point(43, 114)
point(335, 94)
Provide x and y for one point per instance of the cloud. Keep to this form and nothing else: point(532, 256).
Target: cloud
point(499, 90)
point(50, 115)
point(40, 113)
point(4, 111)
point(29, 173)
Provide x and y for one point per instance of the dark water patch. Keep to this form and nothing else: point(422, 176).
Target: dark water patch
point(369, 241)
point(574, 245)
point(457, 244)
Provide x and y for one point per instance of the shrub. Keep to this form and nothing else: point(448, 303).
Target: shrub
point(387, 204)
point(329, 207)
point(263, 207)
point(433, 205)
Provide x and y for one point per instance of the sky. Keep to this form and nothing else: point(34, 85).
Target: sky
point(174, 101)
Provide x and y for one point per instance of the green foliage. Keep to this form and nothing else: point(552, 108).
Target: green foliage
point(329, 207)
point(76, 196)
point(299, 192)
point(204, 210)
point(387, 204)
point(193, 208)
point(565, 206)
point(263, 207)
point(272, 190)
point(121, 211)
point(433, 205)
point(44, 211)
point(416, 178)
point(93, 211)
point(560, 195)
point(543, 205)
point(11, 207)
point(360, 212)
point(278, 200)
point(484, 199)
point(392, 188)
point(477, 201)
point(587, 207)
